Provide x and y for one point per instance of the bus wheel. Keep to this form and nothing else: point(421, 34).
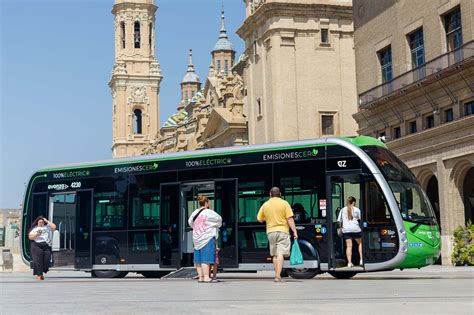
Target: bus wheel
point(342, 274)
point(108, 274)
point(154, 274)
point(304, 273)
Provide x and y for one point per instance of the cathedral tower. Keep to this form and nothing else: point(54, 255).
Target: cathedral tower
point(190, 84)
point(136, 77)
point(223, 54)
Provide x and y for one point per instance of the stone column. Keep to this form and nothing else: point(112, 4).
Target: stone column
point(445, 212)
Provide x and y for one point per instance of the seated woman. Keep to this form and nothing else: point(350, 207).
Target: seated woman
point(299, 213)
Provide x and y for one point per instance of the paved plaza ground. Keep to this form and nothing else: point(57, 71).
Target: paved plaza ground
point(432, 290)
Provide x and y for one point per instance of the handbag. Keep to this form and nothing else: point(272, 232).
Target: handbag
point(339, 230)
point(296, 257)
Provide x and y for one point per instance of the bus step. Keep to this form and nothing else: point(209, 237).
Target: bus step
point(183, 273)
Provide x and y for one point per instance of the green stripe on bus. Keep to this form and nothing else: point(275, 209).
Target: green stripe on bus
point(180, 158)
point(26, 211)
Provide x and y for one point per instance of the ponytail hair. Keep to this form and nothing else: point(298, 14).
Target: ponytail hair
point(202, 200)
point(350, 211)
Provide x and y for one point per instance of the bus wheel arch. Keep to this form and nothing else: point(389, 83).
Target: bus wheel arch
point(342, 274)
point(108, 274)
point(154, 274)
point(309, 253)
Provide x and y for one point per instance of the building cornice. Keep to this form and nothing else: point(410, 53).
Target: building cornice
point(134, 6)
point(454, 133)
point(269, 10)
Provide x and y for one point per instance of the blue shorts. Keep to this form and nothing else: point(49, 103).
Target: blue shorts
point(207, 254)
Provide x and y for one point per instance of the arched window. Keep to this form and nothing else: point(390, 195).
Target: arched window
point(150, 32)
point(137, 121)
point(122, 35)
point(136, 34)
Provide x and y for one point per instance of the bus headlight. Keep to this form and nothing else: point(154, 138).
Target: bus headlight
point(403, 236)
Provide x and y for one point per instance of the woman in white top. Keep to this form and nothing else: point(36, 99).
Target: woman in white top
point(349, 218)
point(40, 236)
point(205, 223)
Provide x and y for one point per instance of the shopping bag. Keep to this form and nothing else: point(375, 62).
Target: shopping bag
point(296, 258)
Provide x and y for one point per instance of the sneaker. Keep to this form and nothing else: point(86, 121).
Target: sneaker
point(361, 262)
point(350, 265)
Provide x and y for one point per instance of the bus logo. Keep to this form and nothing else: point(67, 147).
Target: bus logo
point(58, 187)
point(342, 163)
point(291, 155)
point(136, 168)
point(71, 174)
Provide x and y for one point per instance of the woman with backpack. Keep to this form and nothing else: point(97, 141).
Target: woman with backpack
point(205, 223)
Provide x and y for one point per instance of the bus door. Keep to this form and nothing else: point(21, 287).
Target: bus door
point(170, 226)
point(83, 252)
point(226, 205)
point(189, 203)
point(343, 185)
point(62, 211)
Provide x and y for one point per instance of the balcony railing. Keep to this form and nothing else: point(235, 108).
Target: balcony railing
point(431, 67)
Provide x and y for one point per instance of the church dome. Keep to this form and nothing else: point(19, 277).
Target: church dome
point(190, 76)
point(223, 43)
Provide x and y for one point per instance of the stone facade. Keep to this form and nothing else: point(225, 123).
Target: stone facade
point(421, 101)
point(295, 80)
point(211, 116)
point(136, 77)
point(300, 71)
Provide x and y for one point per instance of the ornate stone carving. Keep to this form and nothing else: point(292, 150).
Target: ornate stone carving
point(255, 4)
point(119, 68)
point(171, 141)
point(155, 68)
point(138, 94)
point(238, 87)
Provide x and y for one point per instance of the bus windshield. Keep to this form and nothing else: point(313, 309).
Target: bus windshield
point(412, 201)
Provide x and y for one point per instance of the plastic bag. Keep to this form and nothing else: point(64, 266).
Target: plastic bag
point(296, 258)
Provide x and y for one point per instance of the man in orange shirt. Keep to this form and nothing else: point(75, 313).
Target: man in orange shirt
point(279, 218)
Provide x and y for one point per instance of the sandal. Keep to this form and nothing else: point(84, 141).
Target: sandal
point(210, 281)
point(277, 280)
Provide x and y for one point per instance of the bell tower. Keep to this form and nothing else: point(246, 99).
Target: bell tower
point(223, 54)
point(136, 77)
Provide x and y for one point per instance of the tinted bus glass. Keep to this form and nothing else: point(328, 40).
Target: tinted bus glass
point(412, 201)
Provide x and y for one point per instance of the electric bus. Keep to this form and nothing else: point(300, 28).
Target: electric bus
point(130, 214)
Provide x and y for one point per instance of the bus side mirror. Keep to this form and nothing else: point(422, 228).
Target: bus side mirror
point(55, 246)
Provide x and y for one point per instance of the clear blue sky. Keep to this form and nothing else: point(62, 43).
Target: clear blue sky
point(55, 61)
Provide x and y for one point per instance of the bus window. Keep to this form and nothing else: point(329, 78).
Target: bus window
point(299, 184)
point(145, 211)
point(144, 200)
point(250, 201)
point(109, 203)
point(254, 183)
point(39, 206)
point(377, 208)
